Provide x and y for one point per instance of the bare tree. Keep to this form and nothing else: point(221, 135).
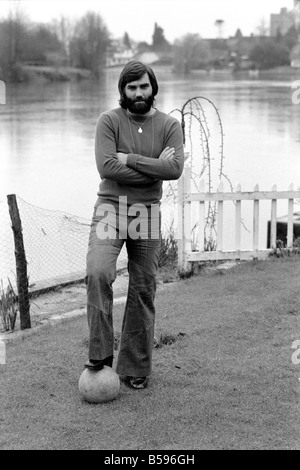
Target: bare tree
point(190, 51)
point(13, 35)
point(262, 29)
point(89, 43)
point(64, 28)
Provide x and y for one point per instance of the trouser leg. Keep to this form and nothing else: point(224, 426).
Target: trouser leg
point(136, 346)
point(101, 273)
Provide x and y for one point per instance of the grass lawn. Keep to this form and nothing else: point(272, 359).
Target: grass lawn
point(223, 375)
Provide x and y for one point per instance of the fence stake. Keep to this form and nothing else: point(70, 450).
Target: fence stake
point(21, 263)
point(220, 220)
point(290, 220)
point(255, 223)
point(202, 218)
point(273, 219)
point(184, 219)
point(238, 218)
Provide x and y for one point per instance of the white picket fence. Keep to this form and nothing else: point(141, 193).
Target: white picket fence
point(187, 253)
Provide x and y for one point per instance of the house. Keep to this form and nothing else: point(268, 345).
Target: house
point(240, 48)
point(282, 22)
point(118, 53)
point(147, 57)
point(295, 56)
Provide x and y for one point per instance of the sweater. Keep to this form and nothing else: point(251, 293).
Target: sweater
point(141, 179)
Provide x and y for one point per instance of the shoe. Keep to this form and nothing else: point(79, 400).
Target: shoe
point(137, 383)
point(94, 364)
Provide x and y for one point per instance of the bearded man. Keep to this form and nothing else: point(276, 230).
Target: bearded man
point(137, 147)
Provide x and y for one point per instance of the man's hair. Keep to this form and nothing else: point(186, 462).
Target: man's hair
point(133, 71)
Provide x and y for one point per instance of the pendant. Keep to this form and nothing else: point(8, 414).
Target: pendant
point(140, 130)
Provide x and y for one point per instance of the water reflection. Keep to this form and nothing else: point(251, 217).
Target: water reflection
point(47, 143)
point(47, 134)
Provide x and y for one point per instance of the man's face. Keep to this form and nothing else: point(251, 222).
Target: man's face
point(137, 95)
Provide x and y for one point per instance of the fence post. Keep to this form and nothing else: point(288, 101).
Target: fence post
point(255, 223)
point(290, 226)
point(201, 227)
point(184, 221)
point(220, 219)
point(273, 220)
point(238, 219)
point(21, 263)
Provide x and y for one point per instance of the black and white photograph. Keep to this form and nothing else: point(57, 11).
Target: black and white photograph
point(149, 227)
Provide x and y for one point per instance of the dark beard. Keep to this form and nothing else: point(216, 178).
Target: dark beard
point(137, 106)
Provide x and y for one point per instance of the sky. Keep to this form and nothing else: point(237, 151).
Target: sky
point(176, 17)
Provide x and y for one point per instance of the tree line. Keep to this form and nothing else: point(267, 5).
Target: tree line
point(255, 52)
point(80, 44)
point(84, 44)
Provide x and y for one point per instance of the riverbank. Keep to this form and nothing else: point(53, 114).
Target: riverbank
point(286, 73)
point(61, 74)
point(27, 73)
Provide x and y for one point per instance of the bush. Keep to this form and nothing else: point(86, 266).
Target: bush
point(269, 54)
point(9, 307)
point(14, 73)
point(168, 254)
point(282, 250)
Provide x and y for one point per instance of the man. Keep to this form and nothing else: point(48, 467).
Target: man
point(136, 147)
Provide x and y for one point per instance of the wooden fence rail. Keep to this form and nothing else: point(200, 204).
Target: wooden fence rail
point(185, 197)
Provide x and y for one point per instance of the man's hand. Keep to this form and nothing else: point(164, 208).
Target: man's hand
point(122, 157)
point(167, 153)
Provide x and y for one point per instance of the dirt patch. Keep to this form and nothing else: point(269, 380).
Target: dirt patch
point(60, 300)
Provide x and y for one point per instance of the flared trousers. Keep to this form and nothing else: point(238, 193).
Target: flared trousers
point(136, 342)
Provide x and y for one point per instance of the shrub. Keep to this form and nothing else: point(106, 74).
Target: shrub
point(8, 306)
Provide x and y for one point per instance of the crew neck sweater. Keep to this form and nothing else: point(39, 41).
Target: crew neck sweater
point(141, 179)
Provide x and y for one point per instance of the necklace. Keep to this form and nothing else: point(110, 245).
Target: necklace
point(140, 130)
point(132, 139)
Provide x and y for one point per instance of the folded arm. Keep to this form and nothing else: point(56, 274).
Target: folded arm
point(107, 161)
point(169, 165)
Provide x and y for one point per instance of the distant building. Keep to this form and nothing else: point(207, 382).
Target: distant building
point(242, 45)
point(281, 23)
point(147, 57)
point(296, 13)
point(295, 56)
point(118, 53)
point(240, 48)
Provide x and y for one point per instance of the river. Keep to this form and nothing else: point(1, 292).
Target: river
point(47, 134)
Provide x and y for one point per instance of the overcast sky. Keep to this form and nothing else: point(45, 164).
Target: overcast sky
point(176, 17)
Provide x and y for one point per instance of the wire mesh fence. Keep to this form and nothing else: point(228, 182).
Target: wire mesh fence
point(7, 257)
point(55, 243)
point(55, 246)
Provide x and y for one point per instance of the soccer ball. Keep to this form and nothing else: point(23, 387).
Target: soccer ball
point(99, 386)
